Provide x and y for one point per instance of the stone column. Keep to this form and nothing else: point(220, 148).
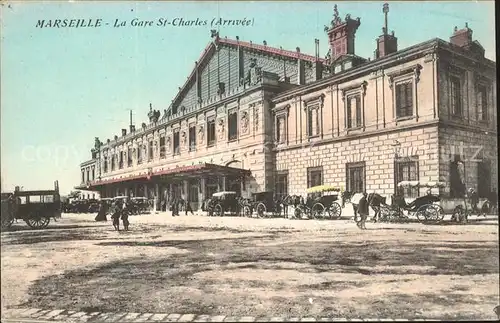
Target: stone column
point(157, 197)
point(201, 192)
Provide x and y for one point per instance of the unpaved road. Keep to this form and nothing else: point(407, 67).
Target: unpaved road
point(255, 267)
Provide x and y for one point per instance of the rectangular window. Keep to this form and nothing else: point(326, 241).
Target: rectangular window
point(150, 151)
point(355, 177)
point(404, 99)
point(313, 121)
point(83, 176)
point(113, 157)
point(457, 177)
point(47, 199)
point(211, 132)
point(162, 147)
point(120, 163)
point(354, 112)
point(105, 164)
point(482, 104)
point(176, 143)
point(129, 157)
point(35, 199)
point(456, 96)
point(280, 129)
point(88, 175)
point(233, 126)
point(281, 184)
point(93, 174)
point(314, 176)
point(192, 138)
point(406, 170)
point(139, 154)
point(484, 178)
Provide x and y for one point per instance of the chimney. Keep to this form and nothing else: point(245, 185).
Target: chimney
point(341, 35)
point(386, 44)
point(124, 132)
point(318, 65)
point(462, 37)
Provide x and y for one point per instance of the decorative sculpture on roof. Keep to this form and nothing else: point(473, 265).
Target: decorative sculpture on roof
point(221, 129)
point(150, 113)
point(201, 134)
point(336, 18)
point(97, 143)
point(244, 122)
point(254, 74)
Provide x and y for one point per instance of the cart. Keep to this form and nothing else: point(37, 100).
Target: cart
point(325, 205)
point(424, 208)
point(36, 208)
point(225, 201)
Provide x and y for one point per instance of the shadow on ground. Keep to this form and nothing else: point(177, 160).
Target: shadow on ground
point(205, 280)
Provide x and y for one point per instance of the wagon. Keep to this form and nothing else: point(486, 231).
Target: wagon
point(225, 201)
point(425, 208)
point(33, 207)
point(325, 204)
point(139, 205)
point(265, 205)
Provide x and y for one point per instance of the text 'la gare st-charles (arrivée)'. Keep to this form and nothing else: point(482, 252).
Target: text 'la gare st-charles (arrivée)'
point(136, 22)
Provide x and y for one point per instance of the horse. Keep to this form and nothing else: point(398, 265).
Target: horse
point(374, 200)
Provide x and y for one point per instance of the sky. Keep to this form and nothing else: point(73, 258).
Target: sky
point(62, 87)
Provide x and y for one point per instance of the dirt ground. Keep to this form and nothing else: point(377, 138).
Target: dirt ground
point(256, 267)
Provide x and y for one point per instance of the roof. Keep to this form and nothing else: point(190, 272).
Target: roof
point(205, 55)
point(198, 169)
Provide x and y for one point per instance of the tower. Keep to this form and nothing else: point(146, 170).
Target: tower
point(341, 35)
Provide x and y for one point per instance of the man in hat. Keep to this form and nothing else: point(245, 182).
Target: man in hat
point(363, 211)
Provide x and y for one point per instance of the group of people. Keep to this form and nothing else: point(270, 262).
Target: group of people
point(178, 204)
point(119, 209)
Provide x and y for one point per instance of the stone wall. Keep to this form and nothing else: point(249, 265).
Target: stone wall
point(375, 150)
point(473, 145)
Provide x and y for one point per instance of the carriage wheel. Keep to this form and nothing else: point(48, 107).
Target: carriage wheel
point(421, 213)
point(261, 210)
point(334, 211)
point(317, 211)
point(297, 212)
point(459, 214)
point(247, 211)
point(218, 210)
point(385, 214)
point(37, 222)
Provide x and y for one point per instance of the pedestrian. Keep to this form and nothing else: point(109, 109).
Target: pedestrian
point(124, 215)
point(363, 211)
point(115, 214)
point(175, 207)
point(101, 214)
point(188, 207)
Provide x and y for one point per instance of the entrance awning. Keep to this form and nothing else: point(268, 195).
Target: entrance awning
point(174, 173)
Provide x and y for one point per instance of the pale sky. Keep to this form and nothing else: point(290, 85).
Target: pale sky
point(61, 87)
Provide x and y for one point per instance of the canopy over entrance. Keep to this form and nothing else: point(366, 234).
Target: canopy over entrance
point(174, 173)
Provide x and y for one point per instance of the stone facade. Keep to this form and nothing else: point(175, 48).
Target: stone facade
point(347, 121)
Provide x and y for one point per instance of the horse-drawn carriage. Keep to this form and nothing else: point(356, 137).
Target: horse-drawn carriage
point(425, 208)
point(265, 204)
point(222, 202)
point(321, 203)
point(139, 205)
point(33, 207)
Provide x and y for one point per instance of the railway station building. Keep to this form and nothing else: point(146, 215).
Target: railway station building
point(253, 118)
